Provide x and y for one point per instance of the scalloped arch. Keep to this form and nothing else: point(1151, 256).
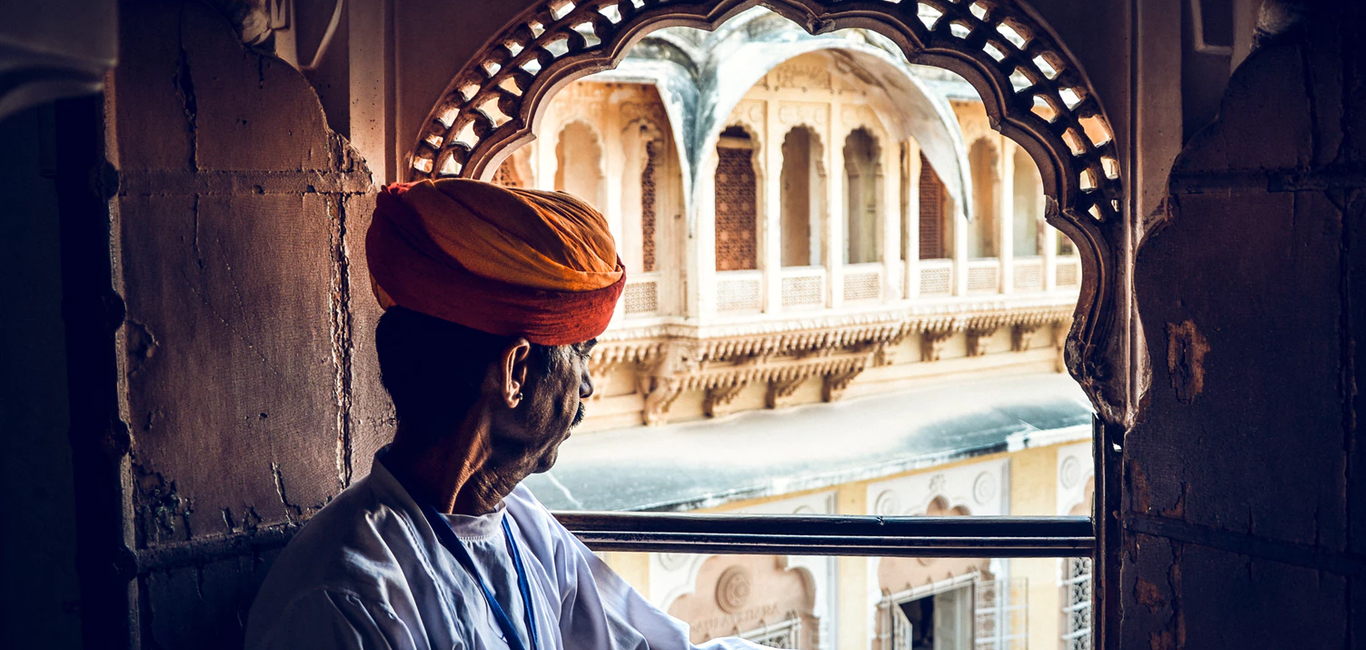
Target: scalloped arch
point(1034, 92)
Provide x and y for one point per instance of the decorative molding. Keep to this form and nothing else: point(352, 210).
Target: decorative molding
point(668, 361)
point(800, 75)
point(1034, 92)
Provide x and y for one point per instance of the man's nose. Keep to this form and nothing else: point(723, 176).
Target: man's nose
point(586, 386)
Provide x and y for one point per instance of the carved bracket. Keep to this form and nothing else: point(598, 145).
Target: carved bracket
point(977, 340)
point(932, 343)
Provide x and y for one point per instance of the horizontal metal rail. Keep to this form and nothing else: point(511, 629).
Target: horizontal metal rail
point(834, 534)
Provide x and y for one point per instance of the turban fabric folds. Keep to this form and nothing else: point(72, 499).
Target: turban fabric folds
point(506, 261)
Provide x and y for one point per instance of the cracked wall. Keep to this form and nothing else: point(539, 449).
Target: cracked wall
point(237, 225)
point(1243, 486)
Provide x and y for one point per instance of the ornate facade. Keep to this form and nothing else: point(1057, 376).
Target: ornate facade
point(832, 243)
point(852, 227)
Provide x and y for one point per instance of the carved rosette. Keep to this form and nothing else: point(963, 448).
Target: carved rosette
point(733, 589)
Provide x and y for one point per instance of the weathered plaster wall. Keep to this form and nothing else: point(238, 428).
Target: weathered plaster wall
point(1243, 484)
point(248, 378)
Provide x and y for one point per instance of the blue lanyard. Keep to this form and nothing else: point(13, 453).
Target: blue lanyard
point(462, 554)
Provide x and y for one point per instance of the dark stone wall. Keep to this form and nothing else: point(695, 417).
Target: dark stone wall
point(1243, 484)
point(247, 375)
point(39, 599)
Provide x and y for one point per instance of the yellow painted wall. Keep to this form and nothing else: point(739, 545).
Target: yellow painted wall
point(1034, 491)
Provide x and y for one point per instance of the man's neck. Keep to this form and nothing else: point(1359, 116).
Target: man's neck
point(450, 473)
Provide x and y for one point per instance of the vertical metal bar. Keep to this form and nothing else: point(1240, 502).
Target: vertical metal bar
point(1105, 576)
point(93, 312)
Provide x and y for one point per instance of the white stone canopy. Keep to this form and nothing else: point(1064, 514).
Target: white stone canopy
point(702, 76)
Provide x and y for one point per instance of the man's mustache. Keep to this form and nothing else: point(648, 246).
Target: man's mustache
point(578, 416)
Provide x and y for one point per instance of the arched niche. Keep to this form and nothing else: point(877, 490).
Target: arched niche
point(737, 200)
point(935, 215)
point(863, 197)
point(984, 161)
point(578, 155)
point(1030, 234)
point(1035, 93)
point(803, 197)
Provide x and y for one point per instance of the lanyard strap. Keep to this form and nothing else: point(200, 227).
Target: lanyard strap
point(462, 554)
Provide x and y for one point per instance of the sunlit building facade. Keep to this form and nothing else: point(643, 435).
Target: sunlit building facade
point(823, 244)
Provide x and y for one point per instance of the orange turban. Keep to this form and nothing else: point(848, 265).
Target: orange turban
point(502, 260)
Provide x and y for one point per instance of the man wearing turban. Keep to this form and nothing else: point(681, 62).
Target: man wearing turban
point(493, 298)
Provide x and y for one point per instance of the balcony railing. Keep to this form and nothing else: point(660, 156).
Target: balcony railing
point(936, 277)
point(984, 276)
point(803, 286)
point(1027, 274)
point(1068, 272)
point(739, 291)
point(863, 282)
point(641, 296)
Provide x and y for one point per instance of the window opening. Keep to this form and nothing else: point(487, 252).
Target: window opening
point(727, 353)
point(803, 197)
point(934, 224)
point(736, 202)
point(579, 169)
point(985, 164)
point(863, 204)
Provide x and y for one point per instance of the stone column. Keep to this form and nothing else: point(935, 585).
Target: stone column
point(1005, 246)
point(701, 241)
point(835, 218)
point(771, 210)
point(911, 234)
point(889, 218)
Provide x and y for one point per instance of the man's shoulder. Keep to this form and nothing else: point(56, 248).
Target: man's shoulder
point(358, 543)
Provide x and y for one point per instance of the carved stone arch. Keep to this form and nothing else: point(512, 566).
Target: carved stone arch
point(997, 46)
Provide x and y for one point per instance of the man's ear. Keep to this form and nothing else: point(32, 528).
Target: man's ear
point(512, 371)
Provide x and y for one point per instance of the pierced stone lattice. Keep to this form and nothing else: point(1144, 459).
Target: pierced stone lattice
point(641, 297)
point(737, 295)
point(1068, 275)
point(932, 245)
point(801, 291)
point(1028, 276)
point(1034, 91)
point(647, 208)
point(936, 282)
point(736, 211)
point(983, 279)
point(862, 286)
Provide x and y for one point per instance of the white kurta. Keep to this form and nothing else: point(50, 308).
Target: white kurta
point(367, 571)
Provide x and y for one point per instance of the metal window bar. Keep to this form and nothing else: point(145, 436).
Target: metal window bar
point(868, 535)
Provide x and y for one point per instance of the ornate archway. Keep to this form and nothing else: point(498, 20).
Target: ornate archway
point(1035, 93)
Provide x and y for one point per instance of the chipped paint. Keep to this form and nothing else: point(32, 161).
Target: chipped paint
point(1186, 350)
